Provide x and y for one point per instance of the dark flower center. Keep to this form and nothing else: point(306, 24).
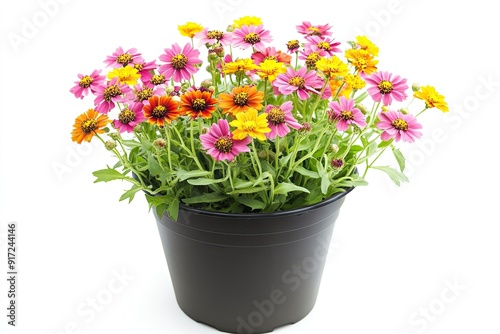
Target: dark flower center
point(240, 99)
point(138, 67)
point(324, 46)
point(385, 87)
point(312, 59)
point(124, 59)
point(89, 125)
point(215, 34)
point(111, 92)
point(86, 81)
point(297, 82)
point(346, 115)
point(126, 116)
point(143, 94)
point(199, 104)
point(159, 111)
point(179, 61)
point(224, 144)
point(252, 38)
point(400, 124)
point(276, 116)
point(293, 44)
point(158, 79)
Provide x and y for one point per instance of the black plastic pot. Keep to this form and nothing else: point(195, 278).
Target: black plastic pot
point(248, 273)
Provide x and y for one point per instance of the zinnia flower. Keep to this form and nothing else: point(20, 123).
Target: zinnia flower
point(190, 29)
point(145, 69)
point(307, 29)
point(119, 58)
point(385, 87)
point(269, 69)
point(399, 126)
point(109, 94)
point(143, 92)
point(87, 125)
point(86, 83)
point(332, 67)
point(220, 144)
point(323, 46)
point(280, 120)
point(247, 21)
point(363, 61)
point(126, 75)
point(432, 98)
point(251, 36)
point(240, 99)
point(301, 81)
point(197, 103)
point(213, 36)
point(161, 109)
point(344, 114)
point(129, 117)
point(239, 66)
point(271, 53)
point(249, 124)
point(362, 42)
point(293, 46)
point(179, 62)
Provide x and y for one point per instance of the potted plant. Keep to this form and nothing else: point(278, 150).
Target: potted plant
point(246, 170)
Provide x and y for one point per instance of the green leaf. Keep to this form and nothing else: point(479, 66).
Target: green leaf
point(173, 209)
point(325, 183)
point(306, 172)
point(285, 187)
point(205, 198)
point(252, 203)
point(184, 175)
point(399, 158)
point(130, 193)
point(249, 190)
point(204, 181)
point(108, 174)
point(153, 166)
point(396, 176)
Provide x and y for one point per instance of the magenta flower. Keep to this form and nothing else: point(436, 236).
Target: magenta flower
point(145, 69)
point(220, 144)
point(213, 36)
point(385, 87)
point(399, 126)
point(87, 83)
point(322, 45)
point(344, 114)
point(119, 58)
point(280, 119)
point(251, 36)
point(301, 81)
point(179, 62)
point(307, 29)
point(143, 92)
point(129, 117)
point(109, 94)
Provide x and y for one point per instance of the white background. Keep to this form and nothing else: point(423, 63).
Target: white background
point(395, 250)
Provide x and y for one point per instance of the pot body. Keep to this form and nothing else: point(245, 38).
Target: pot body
point(248, 273)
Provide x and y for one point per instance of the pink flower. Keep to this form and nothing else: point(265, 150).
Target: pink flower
point(213, 36)
point(143, 92)
point(385, 87)
point(129, 117)
point(344, 114)
point(251, 36)
point(301, 81)
point(271, 53)
point(119, 58)
point(144, 69)
point(280, 119)
point(87, 83)
point(220, 144)
point(307, 29)
point(179, 62)
point(109, 94)
point(322, 45)
point(399, 126)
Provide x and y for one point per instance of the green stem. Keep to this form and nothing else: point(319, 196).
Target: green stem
point(168, 148)
point(256, 157)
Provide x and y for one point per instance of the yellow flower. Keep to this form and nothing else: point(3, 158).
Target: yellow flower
point(239, 66)
point(354, 81)
point(365, 44)
point(432, 98)
point(190, 29)
point(362, 60)
point(247, 20)
point(127, 75)
point(270, 69)
point(332, 67)
point(249, 124)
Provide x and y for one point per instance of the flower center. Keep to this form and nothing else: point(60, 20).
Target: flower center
point(297, 82)
point(252, 38)
point(240, 99)
point(276, 116)
point(179, 61)
point(144, 94)
point(385, 87)
point(400, 124)
point(199, 104)
point(249, 126)
point(224, 144)
point(324, 46)
point(124, 59)
point(270, 58)
point(312, 59)
point(215, 34)
point(293, 44)
point(111, 92)
point(159, 111)
point(86, 81)
point(126, 116)
point(313, 31)
point(158, 79)
point(138, 67)
point(347, 115)
point(89, 125)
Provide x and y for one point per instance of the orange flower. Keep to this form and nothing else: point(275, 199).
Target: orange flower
point(87, 125)
point(196, 103)
point(240, 99)
point(161, 109)
point(362, 60)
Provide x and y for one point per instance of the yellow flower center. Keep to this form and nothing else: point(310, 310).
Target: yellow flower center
point(324, 46)
point(86, 81)
point(252, 38)
point(312, 59)
point(270, 58)
point(199, 104)
point(158, 79)
point(215, 34)
point(159, 111)
point(138, 67)
point(385, 87)
point(124, 59)
point(400, 124)
point(126, 116)
point(179, 61)
point(249, 126)
point(224, 144)
point(144, 94)
point(347, 115)
point(276, 116)
point(313, 31)
point(89, 125)
point(293, 44)
point(297, 82)
point(240, 99)
point(111, 92)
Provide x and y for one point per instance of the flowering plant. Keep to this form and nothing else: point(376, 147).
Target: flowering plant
point(268, 130)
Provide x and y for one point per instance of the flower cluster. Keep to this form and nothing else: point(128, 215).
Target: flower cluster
point(269, 128)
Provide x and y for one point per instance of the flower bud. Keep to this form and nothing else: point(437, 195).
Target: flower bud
point(212, 56)
point(385, 108)
point(219, 51)
point(337, 163)
point(415, 87)
point(230, 28)
point(362, 108)
point(114, 135)
point(306, 127)
point(138, 128)
point(211, 89)
point(169, 89)
point(404, 111)
point(334, 148)
point(262, 155)
point(206, 83)
point(159, 143)
point(110, 144)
